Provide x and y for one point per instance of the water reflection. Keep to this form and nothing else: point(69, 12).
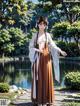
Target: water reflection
point(19, 73)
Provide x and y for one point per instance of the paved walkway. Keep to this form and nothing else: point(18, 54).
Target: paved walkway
point(25, 99)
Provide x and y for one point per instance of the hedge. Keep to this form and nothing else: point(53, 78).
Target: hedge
point(72, 80)
point(4, 87)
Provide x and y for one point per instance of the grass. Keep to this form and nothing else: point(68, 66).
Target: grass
point(65, 89)
point(72, 104)
point(62, 89)
point(8, 95)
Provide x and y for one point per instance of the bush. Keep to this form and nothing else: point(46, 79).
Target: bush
point(72, 80)
point(62, 45)
point(60, 29)
point(71, 48)
point(4, 87)
point(72, 104)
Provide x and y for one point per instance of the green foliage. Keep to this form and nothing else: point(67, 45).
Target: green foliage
point(72, 80)
point(18, 39)
point(55, 2)
point(60, 29)
point(17, 36)
point(75, 9)
point(62, 45)
point(4, 36)
point(31, 33)
point(73, 103)
point(64, 30)
point(69, 10)
point(9, 47)
point(15, 10)
point(76, 24)
point(71, 48)
point(4, 87)
point(5, 45)
point(74, 31)
point(12, 40)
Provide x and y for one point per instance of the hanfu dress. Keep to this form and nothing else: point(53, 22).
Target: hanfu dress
point(42, 90)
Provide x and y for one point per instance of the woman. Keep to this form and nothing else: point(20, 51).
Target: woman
point(42, 91)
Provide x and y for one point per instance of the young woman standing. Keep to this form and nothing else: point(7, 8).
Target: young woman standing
point(42, 91)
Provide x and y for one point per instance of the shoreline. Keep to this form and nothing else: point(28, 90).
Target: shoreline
point(22, 58)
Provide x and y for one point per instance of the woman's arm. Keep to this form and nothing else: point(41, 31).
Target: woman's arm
point(52, 43)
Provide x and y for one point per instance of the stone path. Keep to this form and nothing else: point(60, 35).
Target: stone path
point(25, 99)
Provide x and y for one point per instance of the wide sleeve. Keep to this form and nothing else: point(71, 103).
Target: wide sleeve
point(52, 43)
point(55, 52)
point(31, 43)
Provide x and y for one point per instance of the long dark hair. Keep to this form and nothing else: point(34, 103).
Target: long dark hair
point(35, 44)
point(42, 19)
point(45, 21)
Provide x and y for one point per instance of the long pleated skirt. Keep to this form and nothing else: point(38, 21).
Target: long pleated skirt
point(44, 83)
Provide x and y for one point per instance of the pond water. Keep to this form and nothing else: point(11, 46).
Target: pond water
point(19, 72)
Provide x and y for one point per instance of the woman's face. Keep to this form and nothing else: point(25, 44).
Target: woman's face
point(42, 26)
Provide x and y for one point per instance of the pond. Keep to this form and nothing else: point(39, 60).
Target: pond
point(19, 73)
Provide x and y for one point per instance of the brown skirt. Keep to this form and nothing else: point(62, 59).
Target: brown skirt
point(44, 84)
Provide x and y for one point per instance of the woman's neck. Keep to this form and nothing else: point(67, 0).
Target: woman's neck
point(41, 32)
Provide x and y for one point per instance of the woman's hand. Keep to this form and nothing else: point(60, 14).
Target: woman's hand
point(38, 50)
point(41, 51)
point(63, 53)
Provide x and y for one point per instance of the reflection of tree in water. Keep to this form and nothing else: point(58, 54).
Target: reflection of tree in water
point(21, 75)
point(15, 73)
point(19, 72)
point(5, 70)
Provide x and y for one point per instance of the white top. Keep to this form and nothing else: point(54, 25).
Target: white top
point(41, 40)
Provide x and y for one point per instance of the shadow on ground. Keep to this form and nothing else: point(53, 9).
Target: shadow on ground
point(27, 104)
point(22, 104)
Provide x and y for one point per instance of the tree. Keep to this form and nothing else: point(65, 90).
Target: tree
point(18, 39)
point(59, 30)
point(11, 12)
point(12, 41)
point(74, 32)
point(5, 44)
point(70, 9)
point(65, 30)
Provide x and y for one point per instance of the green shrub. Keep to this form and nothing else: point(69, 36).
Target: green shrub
point(4, 87)
point(71, 104)
point(72, 80)
point(71, 48)
point(60, 29)
point(62, 45)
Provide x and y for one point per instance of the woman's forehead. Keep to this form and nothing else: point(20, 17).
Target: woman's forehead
point(42, 22)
